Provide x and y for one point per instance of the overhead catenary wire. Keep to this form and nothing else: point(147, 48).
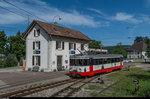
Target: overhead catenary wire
point(24, 10)
point(12, 12)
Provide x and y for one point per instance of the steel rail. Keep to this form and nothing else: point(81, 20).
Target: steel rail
point(28, 91)
point(73, 90)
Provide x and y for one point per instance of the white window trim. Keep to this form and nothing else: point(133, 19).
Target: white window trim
point(36, 48)
point(61, 48)
point(72, 49)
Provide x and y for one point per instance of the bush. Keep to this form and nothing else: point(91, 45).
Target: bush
point(54, 70)
point(1, 63)
point(10, 61)
point(29, 69)
point(42, 70)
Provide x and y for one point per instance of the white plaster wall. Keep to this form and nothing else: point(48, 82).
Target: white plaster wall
point(43, 38)
point(64, 53)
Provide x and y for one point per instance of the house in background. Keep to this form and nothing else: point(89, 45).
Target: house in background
point(137, 51)
point(49, 46)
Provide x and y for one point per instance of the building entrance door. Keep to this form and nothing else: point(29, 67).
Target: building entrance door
point(59, 63)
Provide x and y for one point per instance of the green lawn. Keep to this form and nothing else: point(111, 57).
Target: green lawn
point(125, 87)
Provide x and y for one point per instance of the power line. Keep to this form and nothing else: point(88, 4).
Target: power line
point(12, 11)
point(24, 10)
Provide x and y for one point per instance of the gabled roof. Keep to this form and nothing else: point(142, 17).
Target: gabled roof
point(55, 30)
point(139, 46)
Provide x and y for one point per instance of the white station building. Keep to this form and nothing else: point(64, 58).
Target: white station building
point(49, 46)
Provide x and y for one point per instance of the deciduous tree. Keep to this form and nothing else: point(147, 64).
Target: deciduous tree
point(119, 50)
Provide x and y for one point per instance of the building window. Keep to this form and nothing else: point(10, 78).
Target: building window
point(36, 60)
point(82, 46)
point(72, 46)
point(36, 45)
point(36, 33)
point(60, 45)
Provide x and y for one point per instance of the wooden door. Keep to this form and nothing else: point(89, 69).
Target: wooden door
point(59, 63)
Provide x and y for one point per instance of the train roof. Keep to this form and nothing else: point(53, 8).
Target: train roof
point(96, 56)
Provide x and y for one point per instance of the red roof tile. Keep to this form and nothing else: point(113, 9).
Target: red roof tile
point(139, 46)
point(55, 30)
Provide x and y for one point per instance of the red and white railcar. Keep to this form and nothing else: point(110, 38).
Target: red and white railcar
point(89, 65)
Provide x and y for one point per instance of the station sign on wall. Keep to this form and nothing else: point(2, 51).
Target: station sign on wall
point(36, 52)
point(72, 52)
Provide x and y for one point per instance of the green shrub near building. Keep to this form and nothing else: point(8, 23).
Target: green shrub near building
point(10, 61)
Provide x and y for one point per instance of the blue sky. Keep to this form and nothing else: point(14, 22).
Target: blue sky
point(111, 21)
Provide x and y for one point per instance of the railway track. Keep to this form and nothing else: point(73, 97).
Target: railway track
point(28, 91)
point(70, 89)
point(74, 87)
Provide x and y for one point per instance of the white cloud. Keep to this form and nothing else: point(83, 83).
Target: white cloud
point(125, 18)
point(9, 18)
point(46, 12)
point(97, 11)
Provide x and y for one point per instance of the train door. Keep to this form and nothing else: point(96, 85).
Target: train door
point(91, 64)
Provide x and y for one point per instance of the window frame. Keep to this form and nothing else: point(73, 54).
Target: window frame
point(35, 45)
point(37, 32)
point(73, 46)
point(36, 58)
point(62, 45)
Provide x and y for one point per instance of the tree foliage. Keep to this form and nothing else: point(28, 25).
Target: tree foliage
point(3, 42)
point(95, 44)
point(148, 47)
point(17, 45)
point(119, 50)
point(141, 39)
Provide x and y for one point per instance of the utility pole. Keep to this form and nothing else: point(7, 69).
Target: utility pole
point(28, 21)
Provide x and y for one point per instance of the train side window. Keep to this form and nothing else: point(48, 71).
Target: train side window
point(105, 61)
point(97, 60)
point(108, 60)
point(101, 61)
point(76, 62)
point(113, 60)
point(94, 62)
point(80, 62)
point(86, 62)
point(91, 61)
point(117, 59)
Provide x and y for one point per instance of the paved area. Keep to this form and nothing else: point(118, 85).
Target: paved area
point(11, 79)
point(11, 69)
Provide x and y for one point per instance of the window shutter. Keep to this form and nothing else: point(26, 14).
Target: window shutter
point(34, 33)
point(38, 32)
point(56, 44)
point(39, 44)
point(33, 60)
point(62, 45)
point(69, 46)
point(74, 46)
point(39, 61)
point(33, 45)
